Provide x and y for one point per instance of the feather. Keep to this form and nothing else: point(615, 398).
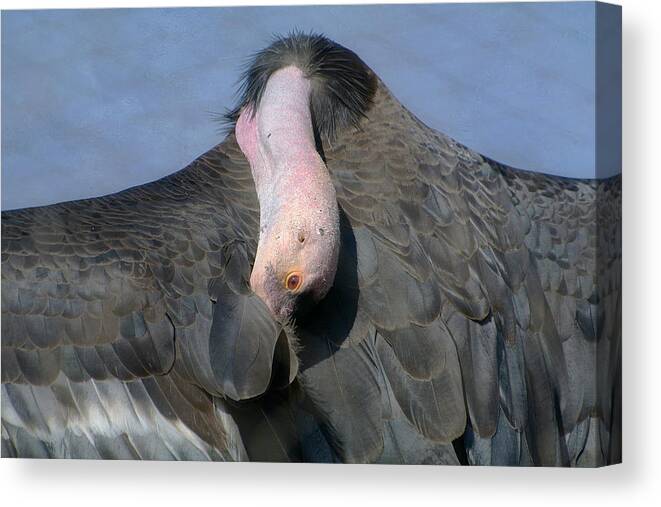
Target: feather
point(343, 387)
point(241, 344)
point(435, 407)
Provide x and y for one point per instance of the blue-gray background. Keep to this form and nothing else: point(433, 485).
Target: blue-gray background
point(95, 101)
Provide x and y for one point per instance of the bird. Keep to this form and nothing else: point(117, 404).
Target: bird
point(335, 281)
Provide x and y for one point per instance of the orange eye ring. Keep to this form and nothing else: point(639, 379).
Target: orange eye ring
point(293, 281)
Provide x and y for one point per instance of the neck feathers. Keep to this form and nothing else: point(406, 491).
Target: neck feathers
point(342, 86)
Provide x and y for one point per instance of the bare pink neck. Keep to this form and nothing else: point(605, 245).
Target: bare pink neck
point(278, 142)
point(277, 139)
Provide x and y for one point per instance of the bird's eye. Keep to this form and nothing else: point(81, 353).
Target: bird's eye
point(293, 281)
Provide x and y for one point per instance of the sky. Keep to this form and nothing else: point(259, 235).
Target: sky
point(94, 101)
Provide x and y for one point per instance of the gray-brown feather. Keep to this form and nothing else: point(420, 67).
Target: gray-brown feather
point(472, 301)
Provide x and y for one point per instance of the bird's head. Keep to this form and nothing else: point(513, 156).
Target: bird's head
point(301, 89)
point(297, 256)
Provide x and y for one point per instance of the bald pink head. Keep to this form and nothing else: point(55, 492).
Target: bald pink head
point(299, 236)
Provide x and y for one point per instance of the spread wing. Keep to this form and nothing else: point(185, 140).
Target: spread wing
point(473, 318)
point(576, 239)
point(479, 301)
point(126, 322)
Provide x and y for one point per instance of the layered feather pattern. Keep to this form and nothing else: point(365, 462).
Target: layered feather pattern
point(475, 316)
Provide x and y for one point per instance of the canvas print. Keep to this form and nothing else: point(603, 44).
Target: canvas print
point(339, 234)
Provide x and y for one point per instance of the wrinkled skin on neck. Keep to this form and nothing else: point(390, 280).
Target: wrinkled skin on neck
point(299, 219)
